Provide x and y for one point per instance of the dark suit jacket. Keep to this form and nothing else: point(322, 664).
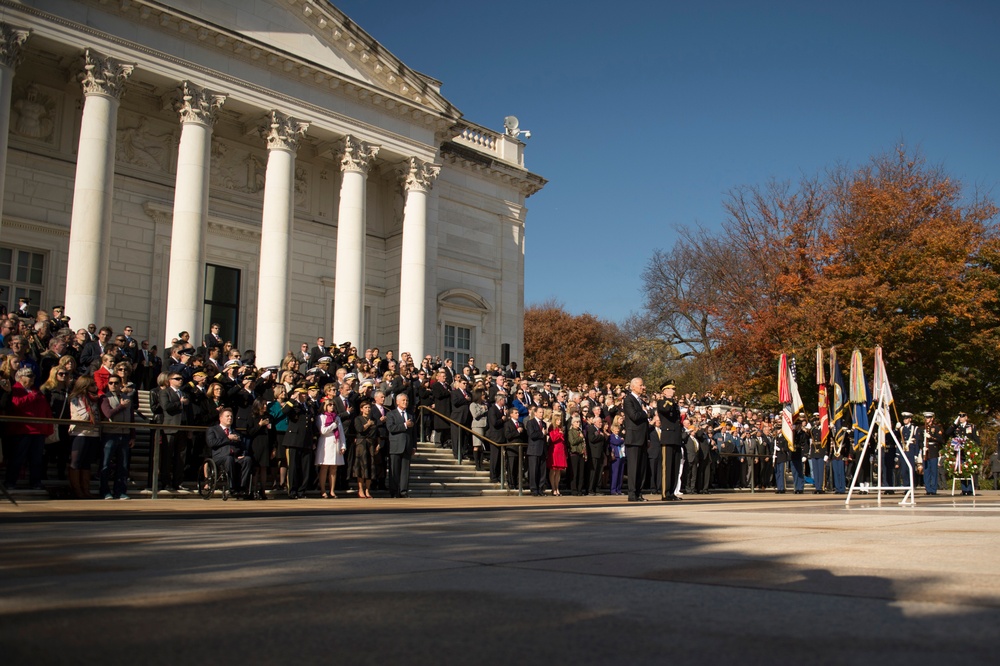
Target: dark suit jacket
point(402, 440)
point(174, 412)
point(536, 438)
point(219, 444)
point(636, 422)
point(90, 354)
point(211, 341)
point(495, 424)
point(655, 443)
point(460, 408)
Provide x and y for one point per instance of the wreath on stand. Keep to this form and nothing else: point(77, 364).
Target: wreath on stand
point(962, 458)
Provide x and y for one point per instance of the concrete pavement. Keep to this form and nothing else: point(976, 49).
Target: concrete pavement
point(724, 578)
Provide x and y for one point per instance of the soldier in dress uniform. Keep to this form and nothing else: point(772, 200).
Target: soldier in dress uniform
point(819, 454)
point(932, 443)
point(962, 428)
point(911, 437)
point(779, 458)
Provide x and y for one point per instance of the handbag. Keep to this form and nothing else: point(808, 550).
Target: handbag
point(55, 437)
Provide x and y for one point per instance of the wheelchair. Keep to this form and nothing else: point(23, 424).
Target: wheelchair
point(212, 478)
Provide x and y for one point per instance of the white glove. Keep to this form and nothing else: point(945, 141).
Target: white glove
point(803, 458)
point(826, 458)
point(899, 426)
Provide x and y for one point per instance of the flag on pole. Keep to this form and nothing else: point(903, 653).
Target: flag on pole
point(838, 400)
point(823, 402)
point(881, 379)
point(860, 399)
point(785, 398)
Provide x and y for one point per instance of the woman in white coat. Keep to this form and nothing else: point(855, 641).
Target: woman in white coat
point(330, 448)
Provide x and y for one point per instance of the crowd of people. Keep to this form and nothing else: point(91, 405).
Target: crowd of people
point(331, 419)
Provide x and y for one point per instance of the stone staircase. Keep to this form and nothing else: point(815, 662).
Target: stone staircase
point(435, 473)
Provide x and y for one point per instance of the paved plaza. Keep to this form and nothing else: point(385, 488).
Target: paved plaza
point(742, 579)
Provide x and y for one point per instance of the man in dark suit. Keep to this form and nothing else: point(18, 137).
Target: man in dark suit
point(318, 352)
point(671, 440)
point(513, 431)
point(212, 339)
point(538, 432)
point(461, 440)
point(636, 436)
point(176, 411)
point(228, 452)
point(495, 417)
point(402, 444)
point(91, 352)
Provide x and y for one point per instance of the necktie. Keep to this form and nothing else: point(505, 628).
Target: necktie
point(226, 430)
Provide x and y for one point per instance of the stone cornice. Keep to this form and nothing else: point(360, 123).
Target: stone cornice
point(46, 229)
point(70, 31)
point(414, 90)
point(472, 160)
point(164, 214)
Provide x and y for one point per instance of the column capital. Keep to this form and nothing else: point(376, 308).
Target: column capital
point(12, 39)
point(282, 132)
point(103, 75)
point(357, 155)
point(415, 174)
point(197, 105)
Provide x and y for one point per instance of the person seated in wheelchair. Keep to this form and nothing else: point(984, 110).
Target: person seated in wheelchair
point(228, 452)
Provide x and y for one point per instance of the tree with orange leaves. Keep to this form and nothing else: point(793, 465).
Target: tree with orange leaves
point(891, 253)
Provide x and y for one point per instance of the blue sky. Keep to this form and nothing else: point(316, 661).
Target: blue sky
point(644, 114)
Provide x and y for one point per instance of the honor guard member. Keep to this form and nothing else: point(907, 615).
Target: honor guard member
point(779, 459)
point(819, 454)
point(801, 441)
point(962, 428)
point(672, 439)
point(911, 437)
point(933, 441)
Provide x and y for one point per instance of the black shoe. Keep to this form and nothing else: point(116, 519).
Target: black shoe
point(640, 498)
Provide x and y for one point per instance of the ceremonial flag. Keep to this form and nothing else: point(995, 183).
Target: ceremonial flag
point(838, 400)
point(860, 399)
point(785, 398)
point(824, 415)
point(881, 379)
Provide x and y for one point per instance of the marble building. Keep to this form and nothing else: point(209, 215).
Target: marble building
point(264, 164)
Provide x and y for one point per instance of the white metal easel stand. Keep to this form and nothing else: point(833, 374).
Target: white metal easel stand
point(881, 423)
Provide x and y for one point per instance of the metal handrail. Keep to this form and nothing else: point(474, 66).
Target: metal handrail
point(100, 425)
point(518, 445)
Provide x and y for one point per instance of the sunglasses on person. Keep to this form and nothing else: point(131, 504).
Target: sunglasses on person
point(114, 383)
point(175, 378)
point(60, 374)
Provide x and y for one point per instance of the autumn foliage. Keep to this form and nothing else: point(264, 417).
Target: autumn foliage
point(578, 348)
point(893, 253)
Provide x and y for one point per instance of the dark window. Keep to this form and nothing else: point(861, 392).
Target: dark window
point(222, 301)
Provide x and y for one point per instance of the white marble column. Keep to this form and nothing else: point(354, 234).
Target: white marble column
point(417, 176)
point(90, 224)
point(11, 39)
point(186, 280)
point(349, 289)
point(273, 306)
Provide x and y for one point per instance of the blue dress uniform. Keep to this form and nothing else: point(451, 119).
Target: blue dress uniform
point(780, 458)
point(801, 441)
point(818, 454)
point(911, 437)
point(933, 441)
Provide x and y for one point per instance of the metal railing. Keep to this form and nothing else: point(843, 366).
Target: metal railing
point(157, 428)
point(501, 445)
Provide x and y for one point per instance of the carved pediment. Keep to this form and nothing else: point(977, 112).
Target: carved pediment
point(316, 32)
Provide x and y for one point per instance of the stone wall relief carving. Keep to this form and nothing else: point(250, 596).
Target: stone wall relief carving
point(237, 169)
point(140, 144)
point(35, 114)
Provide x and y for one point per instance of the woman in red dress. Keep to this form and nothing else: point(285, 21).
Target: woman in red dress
point(557, 451)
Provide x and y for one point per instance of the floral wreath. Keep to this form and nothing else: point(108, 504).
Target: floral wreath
point(962, 457)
